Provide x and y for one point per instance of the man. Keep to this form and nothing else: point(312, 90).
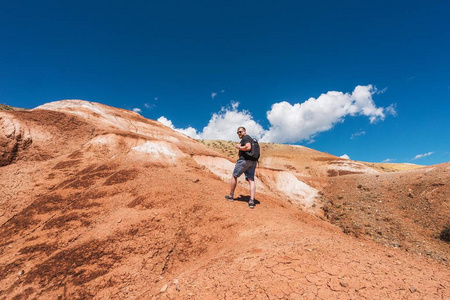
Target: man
point(245, 164)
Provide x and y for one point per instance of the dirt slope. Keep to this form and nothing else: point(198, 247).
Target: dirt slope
point(100, 203)
point(407, 209)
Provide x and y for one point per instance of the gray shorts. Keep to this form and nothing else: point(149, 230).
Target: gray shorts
point(245, 166)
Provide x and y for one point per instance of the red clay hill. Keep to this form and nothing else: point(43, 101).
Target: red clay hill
point(100, 203)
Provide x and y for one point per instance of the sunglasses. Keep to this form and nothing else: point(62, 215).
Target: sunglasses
point(240, 131)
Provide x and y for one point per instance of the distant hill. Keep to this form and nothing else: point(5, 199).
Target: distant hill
point(392, 167)
point(7, 107)
point(227, 149)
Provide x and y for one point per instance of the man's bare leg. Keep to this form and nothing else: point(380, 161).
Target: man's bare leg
point(251, 203)
point(233, 183)
point(252, 189)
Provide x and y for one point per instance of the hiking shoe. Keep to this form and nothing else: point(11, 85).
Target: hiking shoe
point(229, 198)
point(251, 203)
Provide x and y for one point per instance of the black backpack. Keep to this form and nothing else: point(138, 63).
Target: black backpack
point(254, 153)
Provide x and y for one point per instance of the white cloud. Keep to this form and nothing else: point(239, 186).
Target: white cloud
point(388, 160)
point(291, 123)
point(356, 134)
point(214, 94)
point(345, 156)
point(166, 122)
point(381, 91)
point(422, 155)
point(138, 110)
point(391, 110)
point(223, 124)
point(149, 106)
point(301, 121)
point(190, 131)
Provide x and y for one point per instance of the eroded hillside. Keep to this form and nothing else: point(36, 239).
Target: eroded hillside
point(101, 203)
point(406, 210)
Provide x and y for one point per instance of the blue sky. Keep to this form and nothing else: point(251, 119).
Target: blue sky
point(210, 65)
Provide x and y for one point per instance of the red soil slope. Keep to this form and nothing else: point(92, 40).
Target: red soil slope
point(98, 202)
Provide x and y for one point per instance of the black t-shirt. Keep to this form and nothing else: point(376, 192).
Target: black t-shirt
point(245, 139)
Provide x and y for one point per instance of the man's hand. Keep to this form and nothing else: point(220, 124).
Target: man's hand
point(237, 146)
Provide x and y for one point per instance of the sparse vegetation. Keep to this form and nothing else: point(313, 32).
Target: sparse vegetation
point(224, 147)
point(7, 107)
point(391, 167)
point(445, 234)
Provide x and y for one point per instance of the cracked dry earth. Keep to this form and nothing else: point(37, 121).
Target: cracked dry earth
point(100, 203)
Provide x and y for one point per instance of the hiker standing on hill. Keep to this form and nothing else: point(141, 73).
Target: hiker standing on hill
point(245, 164)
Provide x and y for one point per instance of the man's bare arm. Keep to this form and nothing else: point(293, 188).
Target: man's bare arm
point(246, 147)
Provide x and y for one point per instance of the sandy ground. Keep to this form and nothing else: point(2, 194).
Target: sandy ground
point(100, 203)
